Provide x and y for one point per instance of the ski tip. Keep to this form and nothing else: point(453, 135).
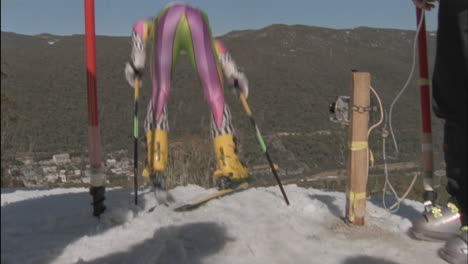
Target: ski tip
point(151, 209)
point(185, 207)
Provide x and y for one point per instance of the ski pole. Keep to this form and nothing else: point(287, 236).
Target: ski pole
point(425, 103)
point(262, 144)
point(135, 140)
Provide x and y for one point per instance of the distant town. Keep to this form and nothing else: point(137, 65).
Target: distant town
point(65, 171)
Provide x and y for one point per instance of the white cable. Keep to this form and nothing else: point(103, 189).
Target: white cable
point(387, 181)
point(393, 208)
point(410, 76)
point(381, 112)
point(373, 126)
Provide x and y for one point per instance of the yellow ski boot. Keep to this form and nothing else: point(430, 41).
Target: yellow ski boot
point(156, 161)
point(231, 172)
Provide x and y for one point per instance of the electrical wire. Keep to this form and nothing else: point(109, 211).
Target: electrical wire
point(395, 206)
point(405, 86)
point(381, 112)
point(374, 126)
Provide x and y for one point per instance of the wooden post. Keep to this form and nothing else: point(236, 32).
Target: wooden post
point(358, 149)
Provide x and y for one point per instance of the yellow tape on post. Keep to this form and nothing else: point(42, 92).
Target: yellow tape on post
point(353, 198)
point(357, 145)
point(371, 158)
point(360, 145)
point(423, 81)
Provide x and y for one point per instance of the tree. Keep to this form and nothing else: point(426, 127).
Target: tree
point(9, 119)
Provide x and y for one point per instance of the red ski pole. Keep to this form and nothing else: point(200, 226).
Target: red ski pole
point(97, 189)
point(427, 165)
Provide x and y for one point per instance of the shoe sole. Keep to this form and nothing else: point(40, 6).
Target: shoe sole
point(420, 236)
point(226, 182)
point(450, 258)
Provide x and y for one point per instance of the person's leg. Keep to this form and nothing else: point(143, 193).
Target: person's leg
point(225, 147)
point(156, 144)
point(449, 91)
point(210, 74)
point(455, 162)
point(165, 51)
point(455, 249)
point(450, 76)
point(449, 102)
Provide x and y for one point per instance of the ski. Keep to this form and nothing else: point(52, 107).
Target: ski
point(193, 205)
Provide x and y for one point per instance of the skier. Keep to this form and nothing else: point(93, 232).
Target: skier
point(450, 83)
point(176, 28)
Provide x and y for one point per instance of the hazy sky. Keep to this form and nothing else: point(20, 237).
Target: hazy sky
point(115, 17)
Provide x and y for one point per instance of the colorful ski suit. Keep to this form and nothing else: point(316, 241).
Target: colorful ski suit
point(179, 28)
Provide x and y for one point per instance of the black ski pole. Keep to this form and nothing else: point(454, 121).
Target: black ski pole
point(135, 141)
point(262, 144)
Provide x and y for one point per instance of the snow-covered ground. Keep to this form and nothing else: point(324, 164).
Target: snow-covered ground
point(254, 226)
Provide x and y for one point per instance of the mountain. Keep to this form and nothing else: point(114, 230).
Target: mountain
point(295, 72)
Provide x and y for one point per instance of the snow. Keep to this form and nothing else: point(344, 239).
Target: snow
point(253, 226)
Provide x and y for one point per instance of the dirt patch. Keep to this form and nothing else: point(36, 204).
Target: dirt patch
point(368, 231)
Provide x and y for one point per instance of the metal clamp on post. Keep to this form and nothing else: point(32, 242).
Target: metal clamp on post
point(340, 109)
point(361, 109)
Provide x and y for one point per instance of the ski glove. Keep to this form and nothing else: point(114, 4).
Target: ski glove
point(131, 72)
point(240, 84)
point(236, 79)
point(134, 68)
